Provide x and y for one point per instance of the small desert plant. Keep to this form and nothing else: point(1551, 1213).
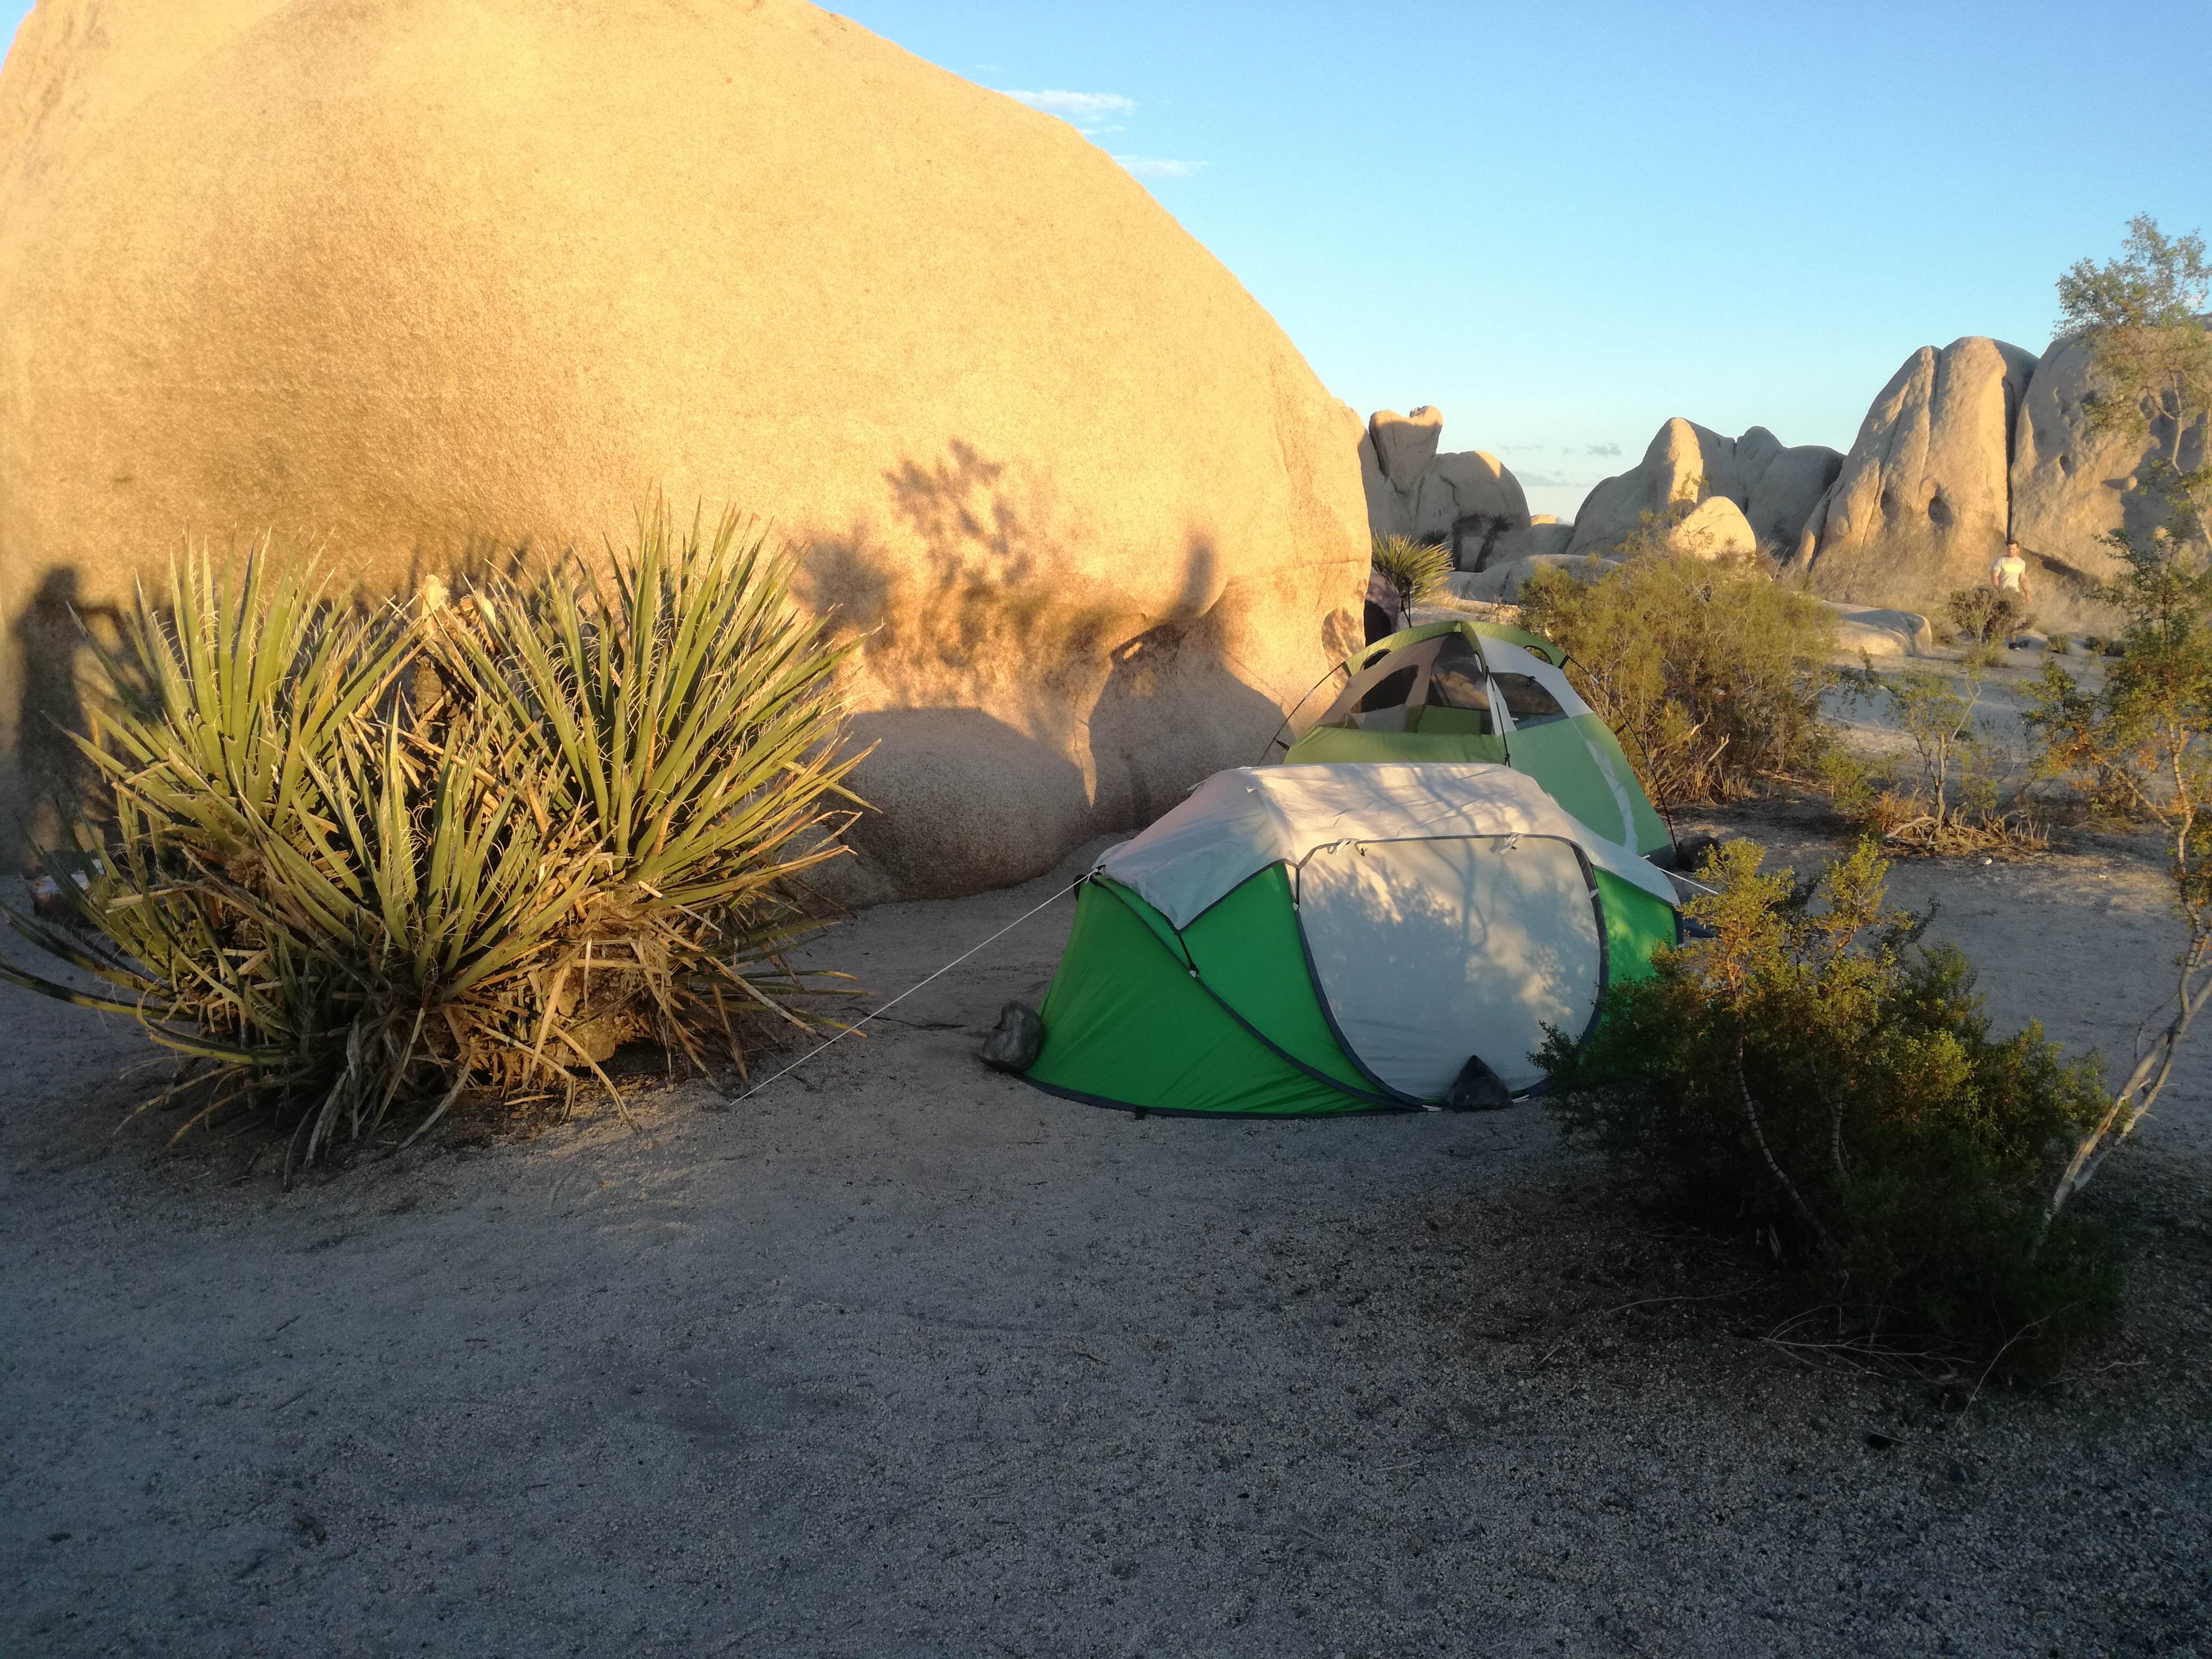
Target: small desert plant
point(2093, 644)
point(361, 858)
point(2058, 646)
point(1983, 614)
point(1415, 569)
point(1954, 801)
point(1811, 1069)
point(1710, 670)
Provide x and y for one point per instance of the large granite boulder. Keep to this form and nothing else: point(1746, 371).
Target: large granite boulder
point(1468, 501)
point(2072, 483)
point(1544, 536)
point(1921, 505)
point(1715, 528)
point(1788, 486)
point(1405, 444)
point(1503, 583)
point(428, 277)
point(1876, 633)
point(1686, 463)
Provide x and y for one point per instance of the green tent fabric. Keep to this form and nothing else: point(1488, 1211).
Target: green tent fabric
point(1466, 690)
point(1312, 940)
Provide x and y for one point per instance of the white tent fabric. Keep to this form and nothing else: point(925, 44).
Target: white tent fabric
point(1236, 824)
point(1504, 657)
point(1431, 950)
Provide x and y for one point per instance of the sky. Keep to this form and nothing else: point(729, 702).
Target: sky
point(1561, 225)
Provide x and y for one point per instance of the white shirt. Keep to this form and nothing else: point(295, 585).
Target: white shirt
point(2008, 570)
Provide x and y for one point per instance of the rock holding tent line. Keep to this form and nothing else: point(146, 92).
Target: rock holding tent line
point(1016, 1041)
point(1477, 1088)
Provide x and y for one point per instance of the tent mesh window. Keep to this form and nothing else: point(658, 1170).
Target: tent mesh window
point(1392, 690)
point(1529, 704)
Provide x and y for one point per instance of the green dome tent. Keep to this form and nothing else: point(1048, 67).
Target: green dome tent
point(1303, 939)
point(1481, 691)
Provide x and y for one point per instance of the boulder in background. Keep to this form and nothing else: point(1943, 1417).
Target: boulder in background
point(1922, 503)
point(2072, 483)
point(1686, 462)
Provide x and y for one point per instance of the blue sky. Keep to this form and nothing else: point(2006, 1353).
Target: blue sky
point(1563, 224)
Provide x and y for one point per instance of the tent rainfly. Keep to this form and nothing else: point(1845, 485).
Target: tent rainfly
point(1297, 940)
point(1482, 691)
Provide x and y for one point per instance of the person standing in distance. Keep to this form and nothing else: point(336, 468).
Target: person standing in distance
point(2008, 576)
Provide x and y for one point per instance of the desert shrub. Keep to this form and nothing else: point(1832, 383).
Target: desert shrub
point(2058, 646)
point(359, 859)
point(1955, 797)
point(1415, 569)
point(1981, 614)
point(1811, 1069)
point(1710, 670)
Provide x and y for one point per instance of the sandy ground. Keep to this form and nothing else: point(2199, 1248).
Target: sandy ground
point(902, 1357)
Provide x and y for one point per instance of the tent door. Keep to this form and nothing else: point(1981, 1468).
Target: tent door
point(1427, 951)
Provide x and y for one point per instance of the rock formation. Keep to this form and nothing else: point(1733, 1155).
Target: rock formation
point(2072, 483)
point(1715, 528)
point(1466, 499)
point(1922, 504)
point(428, 276)
point(1772, 487)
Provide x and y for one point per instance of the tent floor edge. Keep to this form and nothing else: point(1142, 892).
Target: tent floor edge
point(1112, 1105)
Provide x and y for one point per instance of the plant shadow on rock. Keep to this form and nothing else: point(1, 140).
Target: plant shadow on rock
point(1026, 706)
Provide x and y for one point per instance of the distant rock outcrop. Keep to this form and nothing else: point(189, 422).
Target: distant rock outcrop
point(1543, 537)
point(1772, 487)
point(1466, 499)
point(2072, 483)
point(1503, 583)
point(1922, 504)
point(1715, 528)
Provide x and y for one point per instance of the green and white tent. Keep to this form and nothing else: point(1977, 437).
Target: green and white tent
point(1481, 692)
point(1303, 939)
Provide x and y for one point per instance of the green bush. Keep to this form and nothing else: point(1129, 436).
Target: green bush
point(1982, 614)
point(1710, 670)
point(2058, 646)
point(1415, 569)
point(1955, 799)
point(1811, 1069)
point(358, 861)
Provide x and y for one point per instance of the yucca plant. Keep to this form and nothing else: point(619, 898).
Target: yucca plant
point(1415, 569)
point(681, 715)
point(358, 860)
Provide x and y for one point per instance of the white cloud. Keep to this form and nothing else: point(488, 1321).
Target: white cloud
point(1087, 110)
point(1607, 450)
point(1159, 167)
point(1545, 480)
